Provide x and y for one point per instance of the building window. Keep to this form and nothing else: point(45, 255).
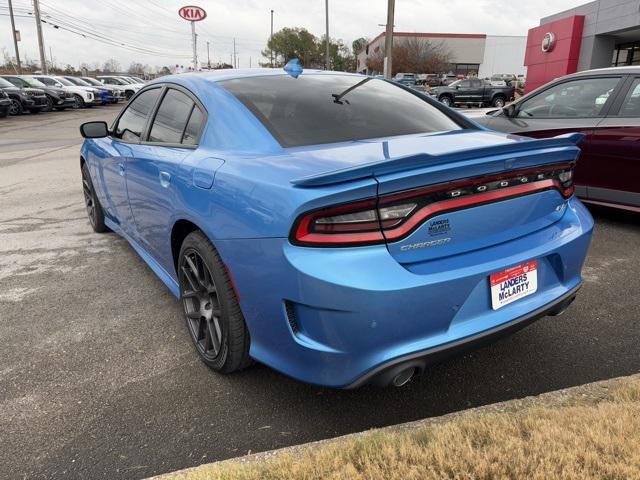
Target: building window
point(466, 69)
point(626, 54)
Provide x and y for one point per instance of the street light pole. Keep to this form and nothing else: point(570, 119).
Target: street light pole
point(208, 57)
point(388, 41)
point(271, 38)
point(15, 38)
point(326, 13)
point(43, 60)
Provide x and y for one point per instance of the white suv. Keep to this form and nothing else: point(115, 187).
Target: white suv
point(114, 81)
point(85, 96)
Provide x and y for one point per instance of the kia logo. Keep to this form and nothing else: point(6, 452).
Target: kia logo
point(192, 13)
point(548, 42)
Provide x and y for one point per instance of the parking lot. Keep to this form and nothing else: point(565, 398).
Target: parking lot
point(99, 379)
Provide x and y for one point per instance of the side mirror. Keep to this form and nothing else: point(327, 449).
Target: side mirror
point(94, 130)
point(510, 111)
point(457, 87)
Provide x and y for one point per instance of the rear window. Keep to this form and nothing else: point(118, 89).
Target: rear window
point(317, 109)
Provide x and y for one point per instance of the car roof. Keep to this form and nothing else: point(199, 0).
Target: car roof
point(235, 73)
point(630, 70)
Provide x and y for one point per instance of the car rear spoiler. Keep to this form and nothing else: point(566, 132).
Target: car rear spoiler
point(566, 143)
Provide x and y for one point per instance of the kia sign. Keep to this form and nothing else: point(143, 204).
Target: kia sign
point(192, 13)
point(548, 42)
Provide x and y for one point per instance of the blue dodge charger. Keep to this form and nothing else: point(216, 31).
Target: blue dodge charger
point(341, 229)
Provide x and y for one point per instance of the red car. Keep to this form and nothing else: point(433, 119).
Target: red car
point(603, 104)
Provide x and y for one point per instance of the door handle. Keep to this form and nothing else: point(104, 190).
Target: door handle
point(165, 179)
point(121, 169)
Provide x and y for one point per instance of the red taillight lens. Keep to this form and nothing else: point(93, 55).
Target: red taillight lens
point(393, 217)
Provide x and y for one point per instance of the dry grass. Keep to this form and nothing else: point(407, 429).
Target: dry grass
point(586, 438)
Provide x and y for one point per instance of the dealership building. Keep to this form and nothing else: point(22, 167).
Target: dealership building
point(599, 34)
point(478, 54)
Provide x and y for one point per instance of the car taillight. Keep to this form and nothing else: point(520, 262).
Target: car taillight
point(393, 217)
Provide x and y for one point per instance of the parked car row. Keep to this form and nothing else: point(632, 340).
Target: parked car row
point(44, 93)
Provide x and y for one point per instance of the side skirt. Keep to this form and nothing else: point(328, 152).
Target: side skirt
point(162, 274)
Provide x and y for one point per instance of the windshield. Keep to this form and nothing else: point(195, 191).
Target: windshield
point(126, 80)
point(92, 81)
point(5, 84)
point(77, 81)
point(32, 82)
point(457, 82)
point(317, 109)
point(64, 81)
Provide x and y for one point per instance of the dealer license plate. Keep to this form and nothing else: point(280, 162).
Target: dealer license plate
point(513, 283)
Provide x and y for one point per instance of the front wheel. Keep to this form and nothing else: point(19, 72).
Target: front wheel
point(498, 102)
point(16, 107)
point(48, 106)
point(211, 309)
point(79, 101)
point(446, 101)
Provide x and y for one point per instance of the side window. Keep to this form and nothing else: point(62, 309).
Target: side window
point(631, 105)
point(465, 84)
point(574, 99)
point(476, 83)
point(133, 120)
point(171, 119)
point(193, 127)
point(47, 81)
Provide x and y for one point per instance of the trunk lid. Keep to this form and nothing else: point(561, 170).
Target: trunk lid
point(472, 190)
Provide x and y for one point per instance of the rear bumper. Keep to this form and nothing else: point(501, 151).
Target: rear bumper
point(339, 317)
point(383, 373)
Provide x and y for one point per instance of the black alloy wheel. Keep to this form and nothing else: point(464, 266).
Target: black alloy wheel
point(16, 107)
point(212, 313)
point(91, 203)
point(48, 105)
point(201, 305)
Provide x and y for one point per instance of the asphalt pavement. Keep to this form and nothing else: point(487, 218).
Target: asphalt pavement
point(98, 378)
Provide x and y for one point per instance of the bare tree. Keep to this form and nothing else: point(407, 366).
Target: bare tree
point(416, 55)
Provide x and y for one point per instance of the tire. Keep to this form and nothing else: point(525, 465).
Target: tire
point(128, 94)
point(446, 100)
point(79, 101)
point(4, 113)
point(34, 110)
point(210, 306)
point(60, 109)
point(16, 107)
point(92, 204)
point(49, 105)
point(498, 102)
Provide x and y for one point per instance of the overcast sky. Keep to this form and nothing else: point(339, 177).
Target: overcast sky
point(154, 25)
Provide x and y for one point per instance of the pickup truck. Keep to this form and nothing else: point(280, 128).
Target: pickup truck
point(473, 91)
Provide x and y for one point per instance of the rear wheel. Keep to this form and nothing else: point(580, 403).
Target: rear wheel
point(498, 102)
point(91, 202)
point(16, 107)
point(211, 309)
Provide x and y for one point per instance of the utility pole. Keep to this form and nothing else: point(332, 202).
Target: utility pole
point(15, 37)
point(234, 54)
point(326, 11)
point(195, 45)
point(208, 58)
point(249, 61)
point(271, 38)
point(43, 61)
point(51, 56)
point(388, 40)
